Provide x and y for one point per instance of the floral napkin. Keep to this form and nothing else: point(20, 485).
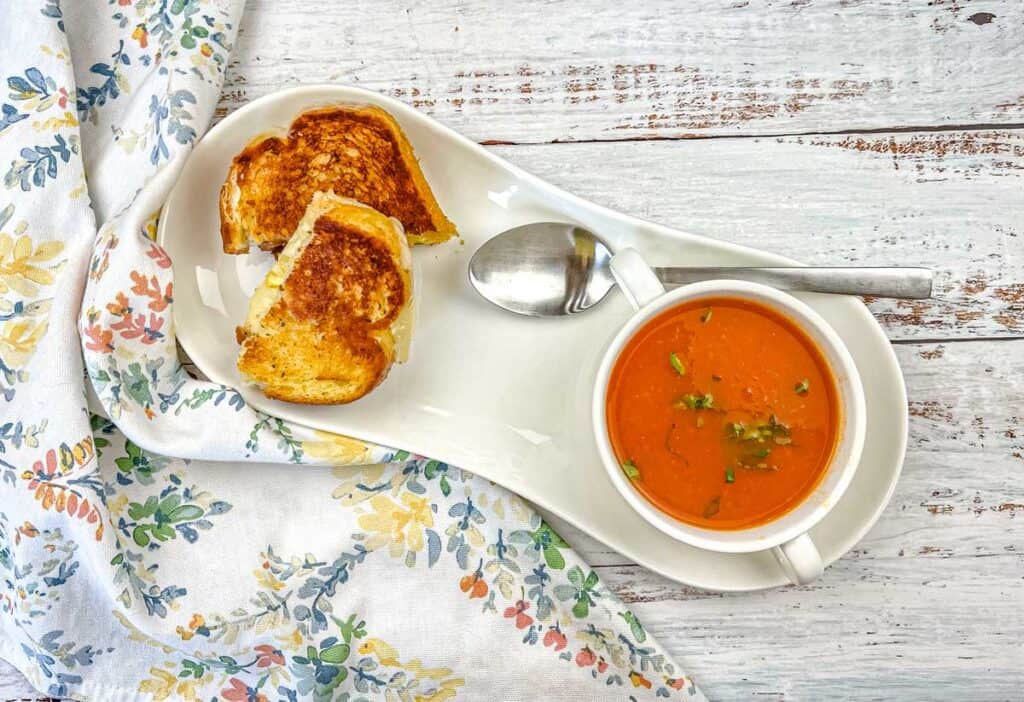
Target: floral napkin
point(221, 573)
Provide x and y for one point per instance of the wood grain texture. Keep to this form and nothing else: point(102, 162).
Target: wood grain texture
point(953, 201)
point(537, 72)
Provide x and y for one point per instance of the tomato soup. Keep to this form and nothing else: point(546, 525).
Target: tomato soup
point(723, 413)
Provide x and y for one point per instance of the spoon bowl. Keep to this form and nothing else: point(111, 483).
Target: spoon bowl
point(548, 269)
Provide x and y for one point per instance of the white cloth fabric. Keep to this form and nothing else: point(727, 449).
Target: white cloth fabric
point(222, 573)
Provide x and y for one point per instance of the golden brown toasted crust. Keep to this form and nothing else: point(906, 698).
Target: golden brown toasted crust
point(357, 151)
point(327, 338)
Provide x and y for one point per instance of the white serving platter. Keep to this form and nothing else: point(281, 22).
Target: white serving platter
point(504, 396)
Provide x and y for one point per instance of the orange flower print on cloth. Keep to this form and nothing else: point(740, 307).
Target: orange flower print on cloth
point(474, 584)
point(58, 483)
point(150, 288)
point(518, 612)
point(555, 638)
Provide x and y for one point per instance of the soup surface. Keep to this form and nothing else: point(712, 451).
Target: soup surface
point(723, 413)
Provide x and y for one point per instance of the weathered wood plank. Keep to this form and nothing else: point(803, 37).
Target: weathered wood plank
point(888, 630)
point(578, 70)
point(932, 599)
point(953, 201)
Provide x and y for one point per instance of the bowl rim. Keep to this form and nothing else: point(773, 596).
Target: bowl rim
point(802, 517)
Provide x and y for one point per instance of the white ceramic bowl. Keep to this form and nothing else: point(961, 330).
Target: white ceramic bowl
point(788, 533)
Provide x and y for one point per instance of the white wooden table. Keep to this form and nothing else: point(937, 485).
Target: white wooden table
point(865, 133)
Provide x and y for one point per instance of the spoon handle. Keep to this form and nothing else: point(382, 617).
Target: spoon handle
point(907, 283)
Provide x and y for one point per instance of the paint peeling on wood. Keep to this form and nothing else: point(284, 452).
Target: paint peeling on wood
point(931, 409)
point(936, 145)
point(1013, 322)
point(600, 73)
point(1013, 294)
point(1012, 316)
point(964, 316)
point(937, 508)
point(940, 155)
point(975, 284)
point(1011, 106)
point(956, 14)
point(976, 508)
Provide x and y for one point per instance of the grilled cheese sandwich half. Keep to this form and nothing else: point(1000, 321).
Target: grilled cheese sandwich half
point(357, 151)
point(335, 311)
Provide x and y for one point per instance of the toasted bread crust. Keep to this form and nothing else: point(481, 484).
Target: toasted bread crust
point(327, 338)
point(357, 151)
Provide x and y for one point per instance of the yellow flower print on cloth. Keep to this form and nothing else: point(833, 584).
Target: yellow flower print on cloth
point(446, 685)
point(18, 341)
point(355, 479)
point(335, 448)
point(397, 526)
point(27, 269)
point(165, 685)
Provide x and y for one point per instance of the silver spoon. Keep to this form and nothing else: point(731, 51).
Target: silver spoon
point(550, 269)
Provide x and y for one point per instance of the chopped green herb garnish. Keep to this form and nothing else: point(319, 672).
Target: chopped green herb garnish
point(711, 509)
point(706, 317)
point(630, 469)
point(773, 429)
point(730, 476)
point(762, 452)
point(776, 425)
point(696, 402)
point(802, 387)
point(676, 364)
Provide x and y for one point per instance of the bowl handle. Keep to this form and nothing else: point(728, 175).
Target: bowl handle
point(637, 280)
point(800, 559)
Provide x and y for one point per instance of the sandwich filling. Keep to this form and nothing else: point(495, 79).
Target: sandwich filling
point(356, 151)
point(335, 311)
